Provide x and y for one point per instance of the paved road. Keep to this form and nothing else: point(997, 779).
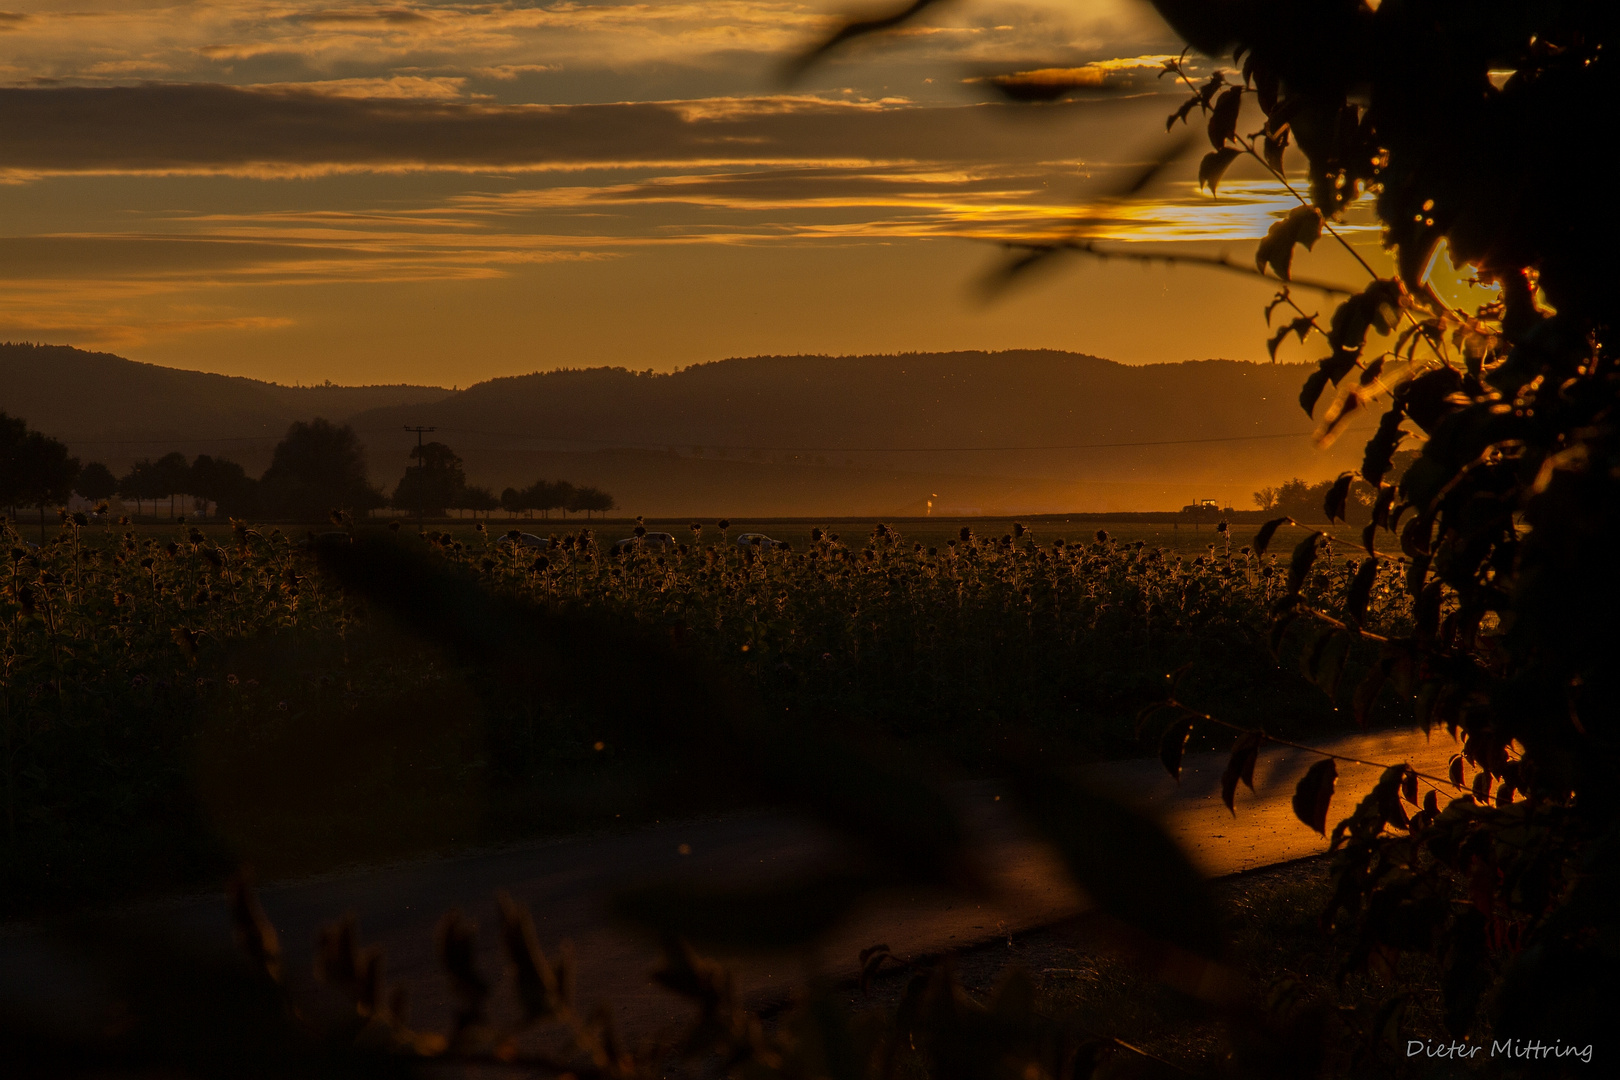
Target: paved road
point(565, 885)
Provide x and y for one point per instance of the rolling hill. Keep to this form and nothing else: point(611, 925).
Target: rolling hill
point(1016, 431)
point(115, 410)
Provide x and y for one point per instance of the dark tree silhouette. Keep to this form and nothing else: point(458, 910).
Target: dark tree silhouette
point(34, 469)
point(548, 495)
point(477, 499)
point(587, 500)
point(225, 484)
point(319, 467)
point(136, 483)
point(434, 482)
point(96, 482)
point(171, 476)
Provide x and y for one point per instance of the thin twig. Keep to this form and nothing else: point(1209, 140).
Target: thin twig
point(1219, 262)
point(1173, 703)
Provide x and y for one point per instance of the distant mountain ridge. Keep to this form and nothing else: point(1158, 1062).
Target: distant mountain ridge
point(117, 410)
point(1020, 430)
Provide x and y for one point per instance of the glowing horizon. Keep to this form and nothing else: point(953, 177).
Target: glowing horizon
point(442, 192)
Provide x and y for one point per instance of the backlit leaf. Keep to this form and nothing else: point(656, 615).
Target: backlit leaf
point(1262, 539)
point(1303, 559)
point(1388, 793)
point(1360, 591)
point(1381, 449)
point(1271, 148)
point(1240, 766)
point(1213, 166)
point(1303, 225)
point(1181, 113)
point(1173, 744)
point(1337, 495)
point(1224, 116)
point(1314, 793)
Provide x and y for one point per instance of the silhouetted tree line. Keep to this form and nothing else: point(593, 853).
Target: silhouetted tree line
point(548, 495)
point(317, 468)
point(1305, 501)
point(436, 482)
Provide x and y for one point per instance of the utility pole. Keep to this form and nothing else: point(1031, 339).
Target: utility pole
point(421, 511)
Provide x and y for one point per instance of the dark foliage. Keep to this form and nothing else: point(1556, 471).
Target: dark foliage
point(434, 481)
point(1514, 607)
point(318, 467)
point(34, 469)
point(95, 482)
point(1479, 127)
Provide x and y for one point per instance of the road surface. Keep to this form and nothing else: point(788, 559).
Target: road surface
point(567, 883)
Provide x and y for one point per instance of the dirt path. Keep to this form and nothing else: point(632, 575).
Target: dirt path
point(566, 885)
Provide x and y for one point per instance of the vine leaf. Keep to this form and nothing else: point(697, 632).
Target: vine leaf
point(1223, 117)
point(1240, 766)
point(1314, 793)
point(1300, 565)
point(1262, 539)
point(1388, 794)
point(1173, 744)
point(1409, 784)
point(1337, 496)
point(1214, 166)
point(1181, 113)
point(1301, 326)
point(1355, 603)
point(1272, 150)
point(1303, 225)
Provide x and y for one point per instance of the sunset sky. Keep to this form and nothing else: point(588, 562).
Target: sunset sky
point(444, 192)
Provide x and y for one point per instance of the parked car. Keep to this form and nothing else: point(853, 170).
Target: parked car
point(652, 539)
point(751, 539)
point(522, 539)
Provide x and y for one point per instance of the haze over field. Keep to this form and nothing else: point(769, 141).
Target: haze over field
point(1020, 431)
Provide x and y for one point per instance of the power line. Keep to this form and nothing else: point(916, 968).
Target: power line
point(887, 449)
point(621, 444)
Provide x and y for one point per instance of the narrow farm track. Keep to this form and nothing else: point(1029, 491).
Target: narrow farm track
point(566, 885)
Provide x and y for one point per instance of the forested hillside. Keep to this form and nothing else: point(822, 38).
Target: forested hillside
point(970, 431)
point(115, 410)
point(1017, 431)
